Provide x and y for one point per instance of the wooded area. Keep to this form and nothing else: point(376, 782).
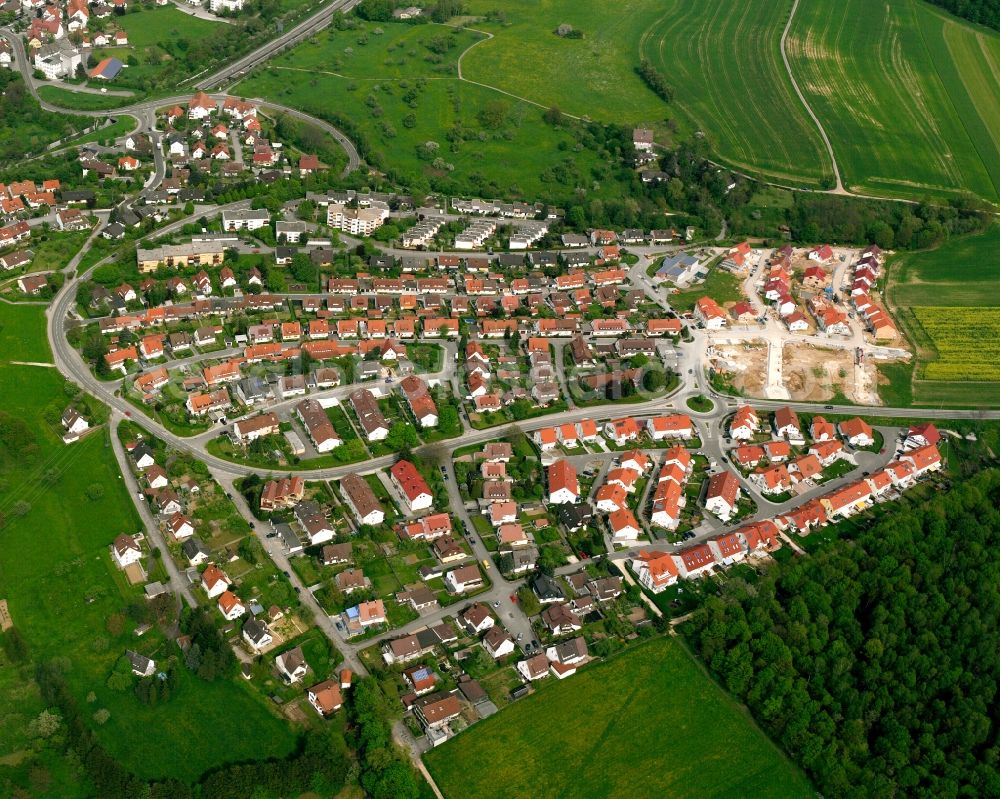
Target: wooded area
point(985, 12)
point(874, 662)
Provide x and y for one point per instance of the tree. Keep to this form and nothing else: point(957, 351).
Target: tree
point(493, 114)
point(553, 116)
point(44, 725)
point(850, 650)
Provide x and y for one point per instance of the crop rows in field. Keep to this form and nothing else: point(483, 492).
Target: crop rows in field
point(906, 95)
point(724, 58)
point(967, 342)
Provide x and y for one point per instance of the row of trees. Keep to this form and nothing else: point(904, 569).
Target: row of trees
point(385, 771)
point(984, 12)
point(874, 662)
point(654, 79)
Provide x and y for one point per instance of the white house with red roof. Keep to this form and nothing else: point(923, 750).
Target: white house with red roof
point(231, 606)
point(745, 423)
point(411, 485)
point(723, 495)
point(694, 561)
point(923, 459)
point(727, 548)
point(656, 571)
point(564, 487)
point(857, 432)
point(921, 435)
point(674, 426)
point(214, 581)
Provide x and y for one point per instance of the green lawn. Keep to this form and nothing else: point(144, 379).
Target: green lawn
point(57, 575)
point(19, 339)
point(82, 101)
point(398, 94)
point(909, 97)
point(649, 723)
point(722, 60)
point(157, 37)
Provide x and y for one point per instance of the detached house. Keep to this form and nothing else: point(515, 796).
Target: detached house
point(723, 495)
point(214, 581)
point(564, 486)
point(126, 551)
point(411, 485)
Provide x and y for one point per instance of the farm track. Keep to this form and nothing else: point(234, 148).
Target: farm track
point(839, 187)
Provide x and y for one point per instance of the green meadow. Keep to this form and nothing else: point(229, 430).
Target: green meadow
point(397, 86)
point(646, 724)
point(61, 506)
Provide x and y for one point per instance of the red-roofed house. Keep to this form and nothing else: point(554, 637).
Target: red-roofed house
point(694, 561)
point(412, 485)
point(656, 570)
point(723, 495)
point(857, 432)
point(564, 487)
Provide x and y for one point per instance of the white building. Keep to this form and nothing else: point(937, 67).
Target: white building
point(245, 220)
point(355, 221)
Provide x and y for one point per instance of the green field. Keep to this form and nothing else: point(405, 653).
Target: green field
point(649, 723)
point(19, 339)
point(947, 302)
point(157, 36)
point(151, 27)
point(398, 93)
point(909, 97)
point(82, 101)
point(963, 272)
point(57, 575)
point(721, 58)
point(724, 59)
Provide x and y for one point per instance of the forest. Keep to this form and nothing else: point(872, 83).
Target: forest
point(874, 661)
point(983, 12)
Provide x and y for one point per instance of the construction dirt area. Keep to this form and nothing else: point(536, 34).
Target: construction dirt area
point(815, 374)
point(744, 363)
point(804, 372)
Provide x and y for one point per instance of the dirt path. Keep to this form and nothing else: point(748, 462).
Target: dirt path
point(802, 98)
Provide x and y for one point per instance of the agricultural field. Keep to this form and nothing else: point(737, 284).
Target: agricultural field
point(966, 342)
point(963, 272)
point(649, 723)
point(397, 86)
point(948, 304)
point(722, 60)
point(909, 96)
point(61, 506)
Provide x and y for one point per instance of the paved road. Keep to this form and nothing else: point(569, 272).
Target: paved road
point(303, 30)
point(179, 584)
